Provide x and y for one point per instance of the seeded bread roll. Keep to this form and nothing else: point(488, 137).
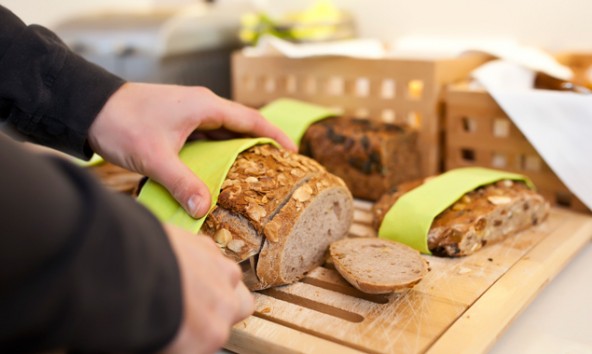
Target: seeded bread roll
point(371, 157)
point(377, 266)
point(487, 214)
point(283, 207)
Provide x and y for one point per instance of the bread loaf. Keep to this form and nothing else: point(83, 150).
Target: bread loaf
point(283, 208)
point(377, 266)
point(485, 215)
point(371, 157)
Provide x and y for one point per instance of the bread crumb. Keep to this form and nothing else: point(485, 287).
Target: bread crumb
point(266, 310)
point(464, 270)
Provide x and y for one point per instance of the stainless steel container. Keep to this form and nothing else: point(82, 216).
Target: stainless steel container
point(190, 45)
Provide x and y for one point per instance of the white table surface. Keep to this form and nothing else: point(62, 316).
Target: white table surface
point(559, 320)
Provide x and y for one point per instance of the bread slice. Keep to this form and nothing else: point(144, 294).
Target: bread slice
point(377, 266)
point(488, 214)
point(283, 207)
point(319, 212)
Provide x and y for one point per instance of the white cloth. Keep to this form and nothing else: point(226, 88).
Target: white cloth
point(558, 124)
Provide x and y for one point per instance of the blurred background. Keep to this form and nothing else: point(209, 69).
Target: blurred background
point(190, 41)
point(553, 24)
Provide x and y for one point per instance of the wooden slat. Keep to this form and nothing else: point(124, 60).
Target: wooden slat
point(259, 336)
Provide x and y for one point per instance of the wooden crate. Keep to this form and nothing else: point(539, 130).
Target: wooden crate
point(479, 133)
point(581, 64)
point(392, 90)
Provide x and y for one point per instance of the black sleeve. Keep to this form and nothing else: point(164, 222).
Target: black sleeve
point(48, 94)
point(80, 268)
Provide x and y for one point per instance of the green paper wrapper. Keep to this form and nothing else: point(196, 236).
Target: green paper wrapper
point(210, 161)
point(409, 219)
point(293, 117)
point(94, 160)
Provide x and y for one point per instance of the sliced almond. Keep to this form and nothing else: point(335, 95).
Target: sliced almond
point(256, 212)
point(264, 152)
point(227, 183)
point(303, 193)
point(222, 237)
point(235, 245)
point(499, 199)
point(458, 206)
point(282, 179)
point(251, 179)
point(297, 172)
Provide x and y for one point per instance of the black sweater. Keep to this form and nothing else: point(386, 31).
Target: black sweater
point(81, 268)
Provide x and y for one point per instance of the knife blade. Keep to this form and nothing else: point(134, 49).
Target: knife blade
point(248, 267)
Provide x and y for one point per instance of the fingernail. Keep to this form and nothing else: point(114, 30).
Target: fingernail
point(195, 204)
point(192, 204)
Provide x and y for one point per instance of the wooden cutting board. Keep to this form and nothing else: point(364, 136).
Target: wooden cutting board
point(461, 306)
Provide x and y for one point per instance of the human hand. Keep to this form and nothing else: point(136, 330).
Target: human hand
point(214, 297)
point(142, 127)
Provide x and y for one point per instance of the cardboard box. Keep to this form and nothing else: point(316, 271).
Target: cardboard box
point(479, 133)
point(392, 90)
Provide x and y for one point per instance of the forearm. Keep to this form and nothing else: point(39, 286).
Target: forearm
point(82, 269)
point(48, 94)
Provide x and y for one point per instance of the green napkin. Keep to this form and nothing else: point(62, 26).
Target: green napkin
point(409, 219)
point(210, 161)
point(293, 117)
point(94, 160)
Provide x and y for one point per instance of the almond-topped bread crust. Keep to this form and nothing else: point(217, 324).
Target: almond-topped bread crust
point(266, 207)
point(487, 214)
point(258, 183)
point(377, 266)
point(261, 179)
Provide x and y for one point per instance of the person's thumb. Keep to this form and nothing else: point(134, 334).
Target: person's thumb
point(191, 192)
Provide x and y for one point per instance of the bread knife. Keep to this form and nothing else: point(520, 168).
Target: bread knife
point(248, 267)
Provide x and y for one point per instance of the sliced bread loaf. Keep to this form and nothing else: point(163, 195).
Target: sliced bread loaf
point(485, 215)
point(283, 207)
point(377, 266)
point(261, 180)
